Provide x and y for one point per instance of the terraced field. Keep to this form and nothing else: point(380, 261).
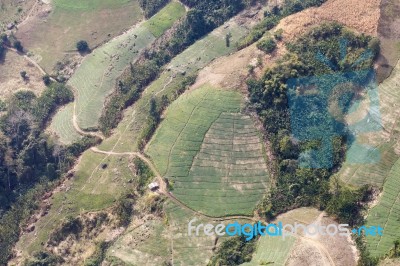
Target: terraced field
point(96, 76)
point(272, 250)
point(63, 127)
point(228, 173)
point(386, 214)
point(385, 172)
point(383, 143)
point(98, 181)
point(211, 152)
point(126, 136)
point(164, 19)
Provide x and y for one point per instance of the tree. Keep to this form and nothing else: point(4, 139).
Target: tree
point(228, 39)
point(3, 37)
point(1, 48)
point(17, 45)
point(82, 46)
point(46, 80)
point(24, 75)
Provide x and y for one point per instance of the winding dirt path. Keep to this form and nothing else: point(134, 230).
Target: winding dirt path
point(28, 59)
point(78, 129)
point(163, 186)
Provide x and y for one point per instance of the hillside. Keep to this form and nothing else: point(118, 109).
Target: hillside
point(182, 113)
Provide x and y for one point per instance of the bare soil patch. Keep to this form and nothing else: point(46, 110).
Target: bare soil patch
point(318, 249)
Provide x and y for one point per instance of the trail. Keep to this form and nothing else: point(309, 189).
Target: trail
point(163, 186)
point(28, 59)
point(79, 130)
point(29, 14)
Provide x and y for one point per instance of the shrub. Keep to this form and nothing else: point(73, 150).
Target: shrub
point(267, 45)
point(278, 34)
point(82, 46)
point(3, 37)
point(23, 74)
point(18, 45)
point(46, 80)
point(99, 254)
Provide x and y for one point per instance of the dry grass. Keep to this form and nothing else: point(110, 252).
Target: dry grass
point(52, 31)
point(359, 15)
point(10, 78)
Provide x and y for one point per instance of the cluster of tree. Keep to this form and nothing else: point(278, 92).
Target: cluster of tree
point(99, 254)
point(30, 163)
point(328, 50)
point(297, 185)
point(151, 7)
point(272, 18)
point(44, 258)
point(234, 251)
point(203, 17)
point(145, 175)
point(124, 208)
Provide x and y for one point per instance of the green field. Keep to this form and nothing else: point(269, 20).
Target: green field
point(89, 4)
point(94, 21)
point(271, 251)
point(92, 188)
point(211, 152)
point(384, 173)
point(386, 214)
point(126, 136)
point(62, 125)
point(384, 141)
point(96, 76)
point(164, 19)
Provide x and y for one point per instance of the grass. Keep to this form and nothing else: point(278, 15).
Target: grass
point(10, 78)
point(203, 106)
point(95, 79)
point(272, 251)
point(89, 4)
point(164, 19)
point(147, 244)
point(211, 152)
point(386, 172)
point(126, 136)
point(383, 141)
point(93, 21)
point(160, 240)
point(386, 214)
point(92, 188)
point(11, 11)
point(63, 127)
